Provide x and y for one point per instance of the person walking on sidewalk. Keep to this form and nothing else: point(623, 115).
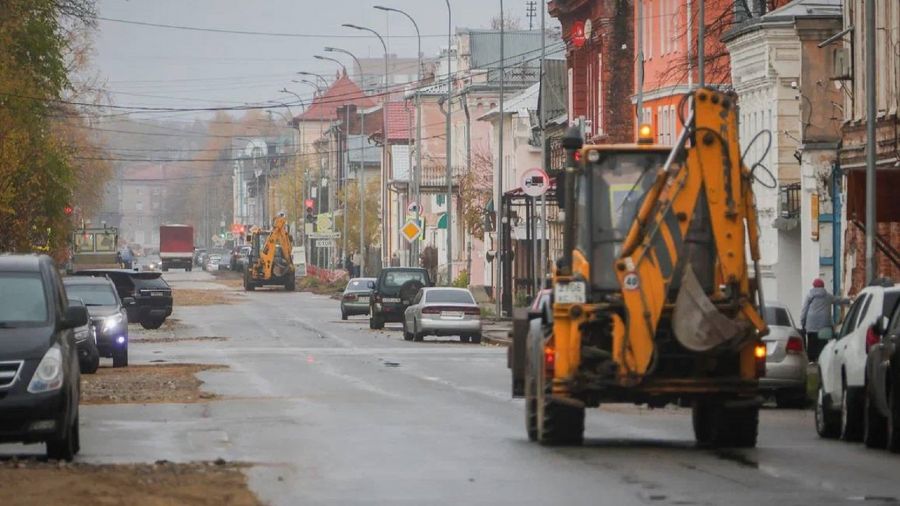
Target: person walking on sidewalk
point(816, 315)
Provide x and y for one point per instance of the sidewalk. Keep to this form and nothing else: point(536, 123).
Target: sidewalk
point(497, 332)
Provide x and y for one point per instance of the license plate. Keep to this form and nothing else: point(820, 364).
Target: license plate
point(451, 314)
point(391, 299)
point(156, 294)
point(572, 292)
point(363, 299)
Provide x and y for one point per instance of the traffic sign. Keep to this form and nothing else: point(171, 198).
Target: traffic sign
point(324, 235)
point(325, 243)
point(411, 230)
point(535, 182)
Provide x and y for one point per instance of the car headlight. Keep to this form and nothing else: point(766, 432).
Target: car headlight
point(49, 373)
point(112, 322)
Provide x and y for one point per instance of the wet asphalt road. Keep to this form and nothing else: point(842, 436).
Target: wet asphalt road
point(331, 412)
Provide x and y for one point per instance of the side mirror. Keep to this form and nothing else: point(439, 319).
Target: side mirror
point(826, 334)
point(76, 316)
point(128, 301)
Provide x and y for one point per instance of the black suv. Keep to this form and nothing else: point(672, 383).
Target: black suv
point(109, 317)
point(393, 292)
point(150, 295)
point(40, 381)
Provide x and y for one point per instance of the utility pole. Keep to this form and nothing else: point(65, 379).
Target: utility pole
point(871, 145)
point(530, 13)
point(500, 258)
point(701, 36)
point(362, 192)
point(449, 157)
point(542, 254)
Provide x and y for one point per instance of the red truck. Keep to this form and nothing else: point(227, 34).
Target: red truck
point(176, 246)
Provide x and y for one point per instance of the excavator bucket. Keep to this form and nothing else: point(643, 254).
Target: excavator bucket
point(698, 325)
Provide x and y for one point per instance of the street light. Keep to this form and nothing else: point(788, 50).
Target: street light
point(311, 83)
point(362, 170)
point(319, 57)
point(319, 76)
point(449, 151)
point(384, 118)
point(414, 247)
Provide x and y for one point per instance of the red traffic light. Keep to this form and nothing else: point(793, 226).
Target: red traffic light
point(578, 33)
point(308, 203)
point(68, 210)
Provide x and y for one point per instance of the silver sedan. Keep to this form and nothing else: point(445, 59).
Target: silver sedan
point(786, 359)
point(443, 312)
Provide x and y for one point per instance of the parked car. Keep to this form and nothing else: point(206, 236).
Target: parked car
point(881, 413)
point(355, 299)
point(213, 260)
point(443, 312)
point(840, 401)
point(198, 256)
point(786, 359)
point(226, 260)
point(393, 292)
point(109, 317)
point(146, 295)
point(86, 344)
point(40, 381)
point(239, 258)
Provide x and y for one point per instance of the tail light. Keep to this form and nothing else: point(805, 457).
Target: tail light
point(759, 353)
point(472, 311)
point(431, 310)
point(350, 296)
point(871, 338)
point(549, 361)
point(794, 345)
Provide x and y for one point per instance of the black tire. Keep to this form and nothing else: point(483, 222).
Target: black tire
point(152, 324)
point(874, 425)
point(120, 358)
point(828, 421)
point(248, 282)
point(475, 338)
point(343, 315)
point(559, 424)
point(851, 414)
point(188, 269)
point(376, 323)
point(65, 447)
point(291, 284)
point(92, 363)
point(464, 338)
point(893, 420)
point(791, 399)
point(718, 426)
point(418, 336)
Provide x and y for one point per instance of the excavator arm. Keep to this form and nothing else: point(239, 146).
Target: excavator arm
point(703, 184)
point(269, 262)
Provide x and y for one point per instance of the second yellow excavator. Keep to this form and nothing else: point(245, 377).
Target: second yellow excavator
point(270, 262)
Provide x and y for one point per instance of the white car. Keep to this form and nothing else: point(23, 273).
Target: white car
point(842, 363)
point(443, 311)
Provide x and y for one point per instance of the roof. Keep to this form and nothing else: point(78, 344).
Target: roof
point(86, 280)
point(527, 100)
point(788, 13)
point(341, 92)
point(20, 263)
point(399, 119)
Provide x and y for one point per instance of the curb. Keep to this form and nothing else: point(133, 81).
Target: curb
point(497, 337)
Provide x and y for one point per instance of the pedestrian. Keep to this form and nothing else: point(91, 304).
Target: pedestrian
point(816, 315)
point(127, 257)
point(357, 262)
point(395, 260)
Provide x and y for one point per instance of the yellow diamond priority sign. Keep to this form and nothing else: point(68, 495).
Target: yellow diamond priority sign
point(411, 230)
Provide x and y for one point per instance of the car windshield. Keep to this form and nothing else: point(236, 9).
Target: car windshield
point(358, 285)
point(93, 295)
point(396, 279)
point(777, 316)
point(449, 297)
point(22, 299)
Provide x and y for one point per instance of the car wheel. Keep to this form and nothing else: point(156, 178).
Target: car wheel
point(120, 358)
point(893, 420)
point(851, 409)
point(464, 339)
point(188, 269)
point(475, 338)
point(65, 447)
point(376, 323)
point(343, 315)
point(828, 422)
point(152, 324)
point(874, 424)
point(418, 336)
point(92, 363)
point(407, 335)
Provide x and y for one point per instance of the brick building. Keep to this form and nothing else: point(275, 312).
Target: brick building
point(600, 72)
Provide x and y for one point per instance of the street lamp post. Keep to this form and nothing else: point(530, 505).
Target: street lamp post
point(498, 206)
point(449, 148)
point(314, 84)
point(320, 57)
point(416, 176)
point(317, 76)
point(384, 235)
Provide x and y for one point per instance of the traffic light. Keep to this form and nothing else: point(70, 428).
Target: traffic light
point(309, 214)
point(68, 210)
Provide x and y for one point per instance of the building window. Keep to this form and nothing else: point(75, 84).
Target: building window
point(138, 205)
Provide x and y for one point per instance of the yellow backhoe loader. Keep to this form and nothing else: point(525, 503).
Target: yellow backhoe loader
point(653, 302)
point(270, 262)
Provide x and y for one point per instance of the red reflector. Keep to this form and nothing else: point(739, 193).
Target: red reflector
point(794, 345)
point(871, 338)
point(549, 358)
point(578, 156)
point(350, 296)
point(431, 310)
point(473, 311)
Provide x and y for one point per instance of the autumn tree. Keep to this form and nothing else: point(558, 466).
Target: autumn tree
point(372, 216)
point(476, 185)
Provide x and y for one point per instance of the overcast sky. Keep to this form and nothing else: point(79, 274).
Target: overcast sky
point(166, 67)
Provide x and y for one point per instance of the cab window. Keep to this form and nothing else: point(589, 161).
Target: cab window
point(850, 321)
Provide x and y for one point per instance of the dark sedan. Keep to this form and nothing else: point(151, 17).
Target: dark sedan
point(108, 315)
point(151, 295)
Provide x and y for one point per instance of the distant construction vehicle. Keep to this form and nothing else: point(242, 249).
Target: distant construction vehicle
point(270, 261)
